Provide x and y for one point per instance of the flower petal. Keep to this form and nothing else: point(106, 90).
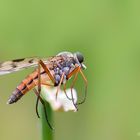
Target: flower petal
point(62, 102)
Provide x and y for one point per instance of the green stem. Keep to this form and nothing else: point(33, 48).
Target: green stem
point(46, 132)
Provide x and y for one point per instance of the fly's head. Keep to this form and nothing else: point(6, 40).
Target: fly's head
point(79, 58)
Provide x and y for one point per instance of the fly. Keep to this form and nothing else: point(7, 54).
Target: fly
point(53, 71)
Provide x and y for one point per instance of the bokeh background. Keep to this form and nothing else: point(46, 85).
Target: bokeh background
point(107, 32)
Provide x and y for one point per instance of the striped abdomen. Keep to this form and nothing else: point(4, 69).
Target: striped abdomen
point(26, 85)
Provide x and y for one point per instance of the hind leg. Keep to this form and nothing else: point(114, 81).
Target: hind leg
point(44, 107)
point(41, 64)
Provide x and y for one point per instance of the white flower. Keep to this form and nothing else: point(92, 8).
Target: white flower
point(62, 102)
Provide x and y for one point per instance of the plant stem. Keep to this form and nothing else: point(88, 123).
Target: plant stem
point(46, 132)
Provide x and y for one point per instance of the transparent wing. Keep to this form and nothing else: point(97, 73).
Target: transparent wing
point(7, 67)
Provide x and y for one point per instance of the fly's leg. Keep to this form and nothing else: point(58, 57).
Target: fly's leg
point(47, 71)
point(46, 115)
point(38, 96)
point(39, 90)
point(58, 87)
point(44, 107)
point(40, 63)
point(64, 88)
point(86, 83)
point(69, 76)
point(72, 86)
point(75, 71)
point(36, 107)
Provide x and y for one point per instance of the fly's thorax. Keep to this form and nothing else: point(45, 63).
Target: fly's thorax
point(64, 69)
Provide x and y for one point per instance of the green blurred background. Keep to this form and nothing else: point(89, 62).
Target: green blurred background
point(107, 32)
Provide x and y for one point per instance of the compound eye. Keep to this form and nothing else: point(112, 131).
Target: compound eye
point(79, 57)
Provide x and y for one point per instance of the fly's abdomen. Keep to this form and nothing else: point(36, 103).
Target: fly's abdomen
point(17, 94)
point(26, 85)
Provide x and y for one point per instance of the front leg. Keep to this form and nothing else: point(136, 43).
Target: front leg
point(75, 72)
